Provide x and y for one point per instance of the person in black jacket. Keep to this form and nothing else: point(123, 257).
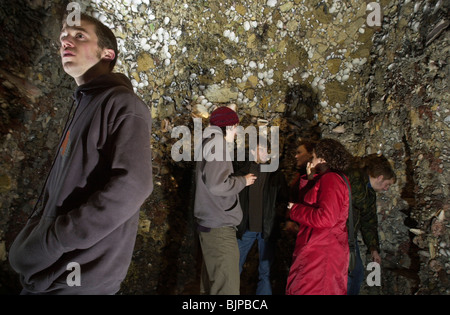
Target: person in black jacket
point(259, 223)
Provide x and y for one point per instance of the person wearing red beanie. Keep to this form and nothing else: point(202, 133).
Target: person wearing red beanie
point(223, 117)
point(217, 209)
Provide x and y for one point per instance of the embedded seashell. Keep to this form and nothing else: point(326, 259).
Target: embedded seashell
point(246, 25)
point(441, 216)
point(432, 250)
point(271, 3)
point(437, 6)
point(200, 99)
point(437, 30)
point(212, 108)
point(233, 107)
point(200, 111)
point(262, 122)
point(166, 126)
point(417, 231)
point(417, 6)
point(339, 129)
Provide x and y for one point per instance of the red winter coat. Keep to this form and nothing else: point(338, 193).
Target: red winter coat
point(321, 254)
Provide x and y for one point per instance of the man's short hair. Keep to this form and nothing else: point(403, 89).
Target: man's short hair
point(376, 165)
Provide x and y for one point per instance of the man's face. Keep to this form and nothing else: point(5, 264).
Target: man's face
point(262, 155)
point(231, 133)
point(79, 48)
point(302, 156)
point(380, 184)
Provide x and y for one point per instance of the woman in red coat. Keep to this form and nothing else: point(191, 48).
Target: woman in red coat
point(321, 254)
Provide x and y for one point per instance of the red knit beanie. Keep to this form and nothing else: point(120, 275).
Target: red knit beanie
point(223, 116)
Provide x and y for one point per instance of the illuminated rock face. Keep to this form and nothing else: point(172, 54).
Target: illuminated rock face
point(312, 69)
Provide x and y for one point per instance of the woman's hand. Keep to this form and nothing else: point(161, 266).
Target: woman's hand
point(310, 170)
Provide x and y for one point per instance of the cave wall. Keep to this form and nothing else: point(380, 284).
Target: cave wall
point(311, 68)
point(407, 95)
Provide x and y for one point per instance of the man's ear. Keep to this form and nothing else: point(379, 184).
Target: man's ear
point(108, 54)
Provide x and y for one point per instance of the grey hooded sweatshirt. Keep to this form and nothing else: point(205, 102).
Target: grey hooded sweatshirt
point(216, 196)
point(89, 211)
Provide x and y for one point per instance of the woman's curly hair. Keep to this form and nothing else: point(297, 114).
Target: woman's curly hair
point(334, 153)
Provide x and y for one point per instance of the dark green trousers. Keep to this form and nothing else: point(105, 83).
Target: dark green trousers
point(220, 268)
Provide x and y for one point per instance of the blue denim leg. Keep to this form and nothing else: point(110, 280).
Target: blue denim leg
point(245, 244)
point(266, 253)
point(265, 250)
point(356, 277)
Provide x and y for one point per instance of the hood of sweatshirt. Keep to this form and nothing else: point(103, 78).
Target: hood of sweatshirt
point(103, 82)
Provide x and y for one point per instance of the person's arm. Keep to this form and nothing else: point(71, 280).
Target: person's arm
point(325, 212)
point(369, 223)
point(218, 178)
point(364, 200)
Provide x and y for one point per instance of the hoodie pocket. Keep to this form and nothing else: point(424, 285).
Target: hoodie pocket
point(234, 205)
point(27, 254)
point(16, 252)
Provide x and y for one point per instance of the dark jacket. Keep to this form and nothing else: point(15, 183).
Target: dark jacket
point(364, 202)
point(275, 194)
point(101, 176)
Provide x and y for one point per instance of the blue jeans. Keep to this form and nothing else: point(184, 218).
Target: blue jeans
point(356, 277)
point(265, 250)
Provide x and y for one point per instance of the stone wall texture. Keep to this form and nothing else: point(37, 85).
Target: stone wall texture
point(312, 68)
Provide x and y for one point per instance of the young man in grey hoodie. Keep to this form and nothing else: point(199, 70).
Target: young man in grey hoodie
point(81, 235)
point(217, 209)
